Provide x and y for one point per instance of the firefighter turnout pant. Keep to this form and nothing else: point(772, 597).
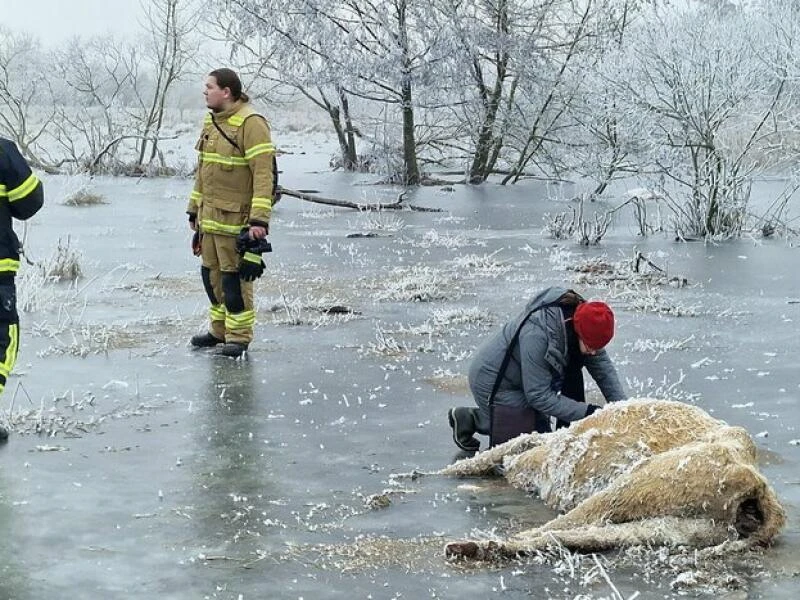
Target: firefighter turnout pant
point(231, 314)
point(9, 328)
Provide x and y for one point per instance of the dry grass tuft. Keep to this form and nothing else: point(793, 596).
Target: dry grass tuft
point(64, 264)
point(84, 197)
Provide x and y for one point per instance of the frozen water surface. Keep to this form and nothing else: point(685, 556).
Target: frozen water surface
point(159, 472)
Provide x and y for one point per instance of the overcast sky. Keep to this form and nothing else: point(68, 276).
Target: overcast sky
point(54, 21)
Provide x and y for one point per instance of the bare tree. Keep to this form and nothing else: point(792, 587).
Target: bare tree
point(603, 145)
point(26, 107)
point(272, 45)
point(709, 83)
point(486, 36)
point(545, 99)
point(171, 48)
point(98, 76)
point(375, 51)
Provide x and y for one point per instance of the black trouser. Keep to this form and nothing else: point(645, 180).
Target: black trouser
point(9, 328)
point(572, 387)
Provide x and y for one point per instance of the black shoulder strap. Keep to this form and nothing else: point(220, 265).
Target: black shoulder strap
point(225, 135)
point(509, 351)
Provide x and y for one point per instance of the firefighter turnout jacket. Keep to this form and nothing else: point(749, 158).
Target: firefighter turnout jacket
point(21, 196)
point(235, 179)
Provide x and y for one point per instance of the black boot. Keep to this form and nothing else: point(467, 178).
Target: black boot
point(462, 420)
point(205, 340)
point(231, 349)
point(3, 434)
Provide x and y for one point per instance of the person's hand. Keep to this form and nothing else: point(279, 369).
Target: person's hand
point(592, 408)
point(258, 231)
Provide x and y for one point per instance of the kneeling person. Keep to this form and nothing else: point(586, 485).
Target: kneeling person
point(532, 370)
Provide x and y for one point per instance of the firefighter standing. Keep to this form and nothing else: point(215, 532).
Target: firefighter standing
point(21, 196)
point(234, 189)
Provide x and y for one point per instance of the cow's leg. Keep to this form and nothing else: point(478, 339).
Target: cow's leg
point(662, 531)
point(487, 462)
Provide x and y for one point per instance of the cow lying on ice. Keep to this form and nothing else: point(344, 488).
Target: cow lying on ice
point(642, 471)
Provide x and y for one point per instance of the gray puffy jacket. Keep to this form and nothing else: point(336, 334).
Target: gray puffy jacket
point(533, 379)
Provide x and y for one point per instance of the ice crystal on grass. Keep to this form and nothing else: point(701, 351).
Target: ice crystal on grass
point(316, 311)
point(451, 241)
point(415, 284)
point(386, 345)
point(84, 339)
point(446, 380)
point(315, 212)
point(652, 301)
point(482, 265)
point(448, 317)
point(36, 290)
point(658, 347)
point(378, 221)
point(665, 389)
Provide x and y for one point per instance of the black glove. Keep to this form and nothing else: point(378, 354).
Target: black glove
point(592, 408)
point(242, 241)
point(256, 246)
point(197, 243)
point(245, 244)
point(251, 267)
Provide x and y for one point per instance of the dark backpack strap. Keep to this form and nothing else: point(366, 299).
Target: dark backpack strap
point(506, 359)
point(225, 135)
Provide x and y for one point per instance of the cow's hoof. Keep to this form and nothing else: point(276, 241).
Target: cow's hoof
point(462, 550)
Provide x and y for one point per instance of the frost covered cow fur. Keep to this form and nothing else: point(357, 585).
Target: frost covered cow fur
point(643, 471)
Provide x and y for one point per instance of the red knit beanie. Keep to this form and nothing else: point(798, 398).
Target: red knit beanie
point(594, 324)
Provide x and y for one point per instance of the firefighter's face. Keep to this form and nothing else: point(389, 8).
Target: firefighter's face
point(217, 98)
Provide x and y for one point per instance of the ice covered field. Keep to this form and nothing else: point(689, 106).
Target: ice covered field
point(141, 469)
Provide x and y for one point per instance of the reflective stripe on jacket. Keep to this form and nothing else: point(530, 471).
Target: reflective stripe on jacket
point(21, 197)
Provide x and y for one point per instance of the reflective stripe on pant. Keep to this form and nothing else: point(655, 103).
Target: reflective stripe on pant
point(232, 315)
point(9, 330)
point(9, 346)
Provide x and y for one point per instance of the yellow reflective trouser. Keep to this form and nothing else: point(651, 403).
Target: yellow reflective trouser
point(9, 330)
point(231, 314)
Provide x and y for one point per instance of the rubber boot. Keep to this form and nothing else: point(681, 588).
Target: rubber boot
point(462, 421)
point(205, 340)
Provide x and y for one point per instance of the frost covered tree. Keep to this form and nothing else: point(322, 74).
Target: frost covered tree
point(709, 84)
point(568, 33)
point(602, 143)
point(26, 105)
point(170, 48)
point(97, 78)
point(381, 53)
point(482, 36)
point(522, 65)
point(281, 46)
